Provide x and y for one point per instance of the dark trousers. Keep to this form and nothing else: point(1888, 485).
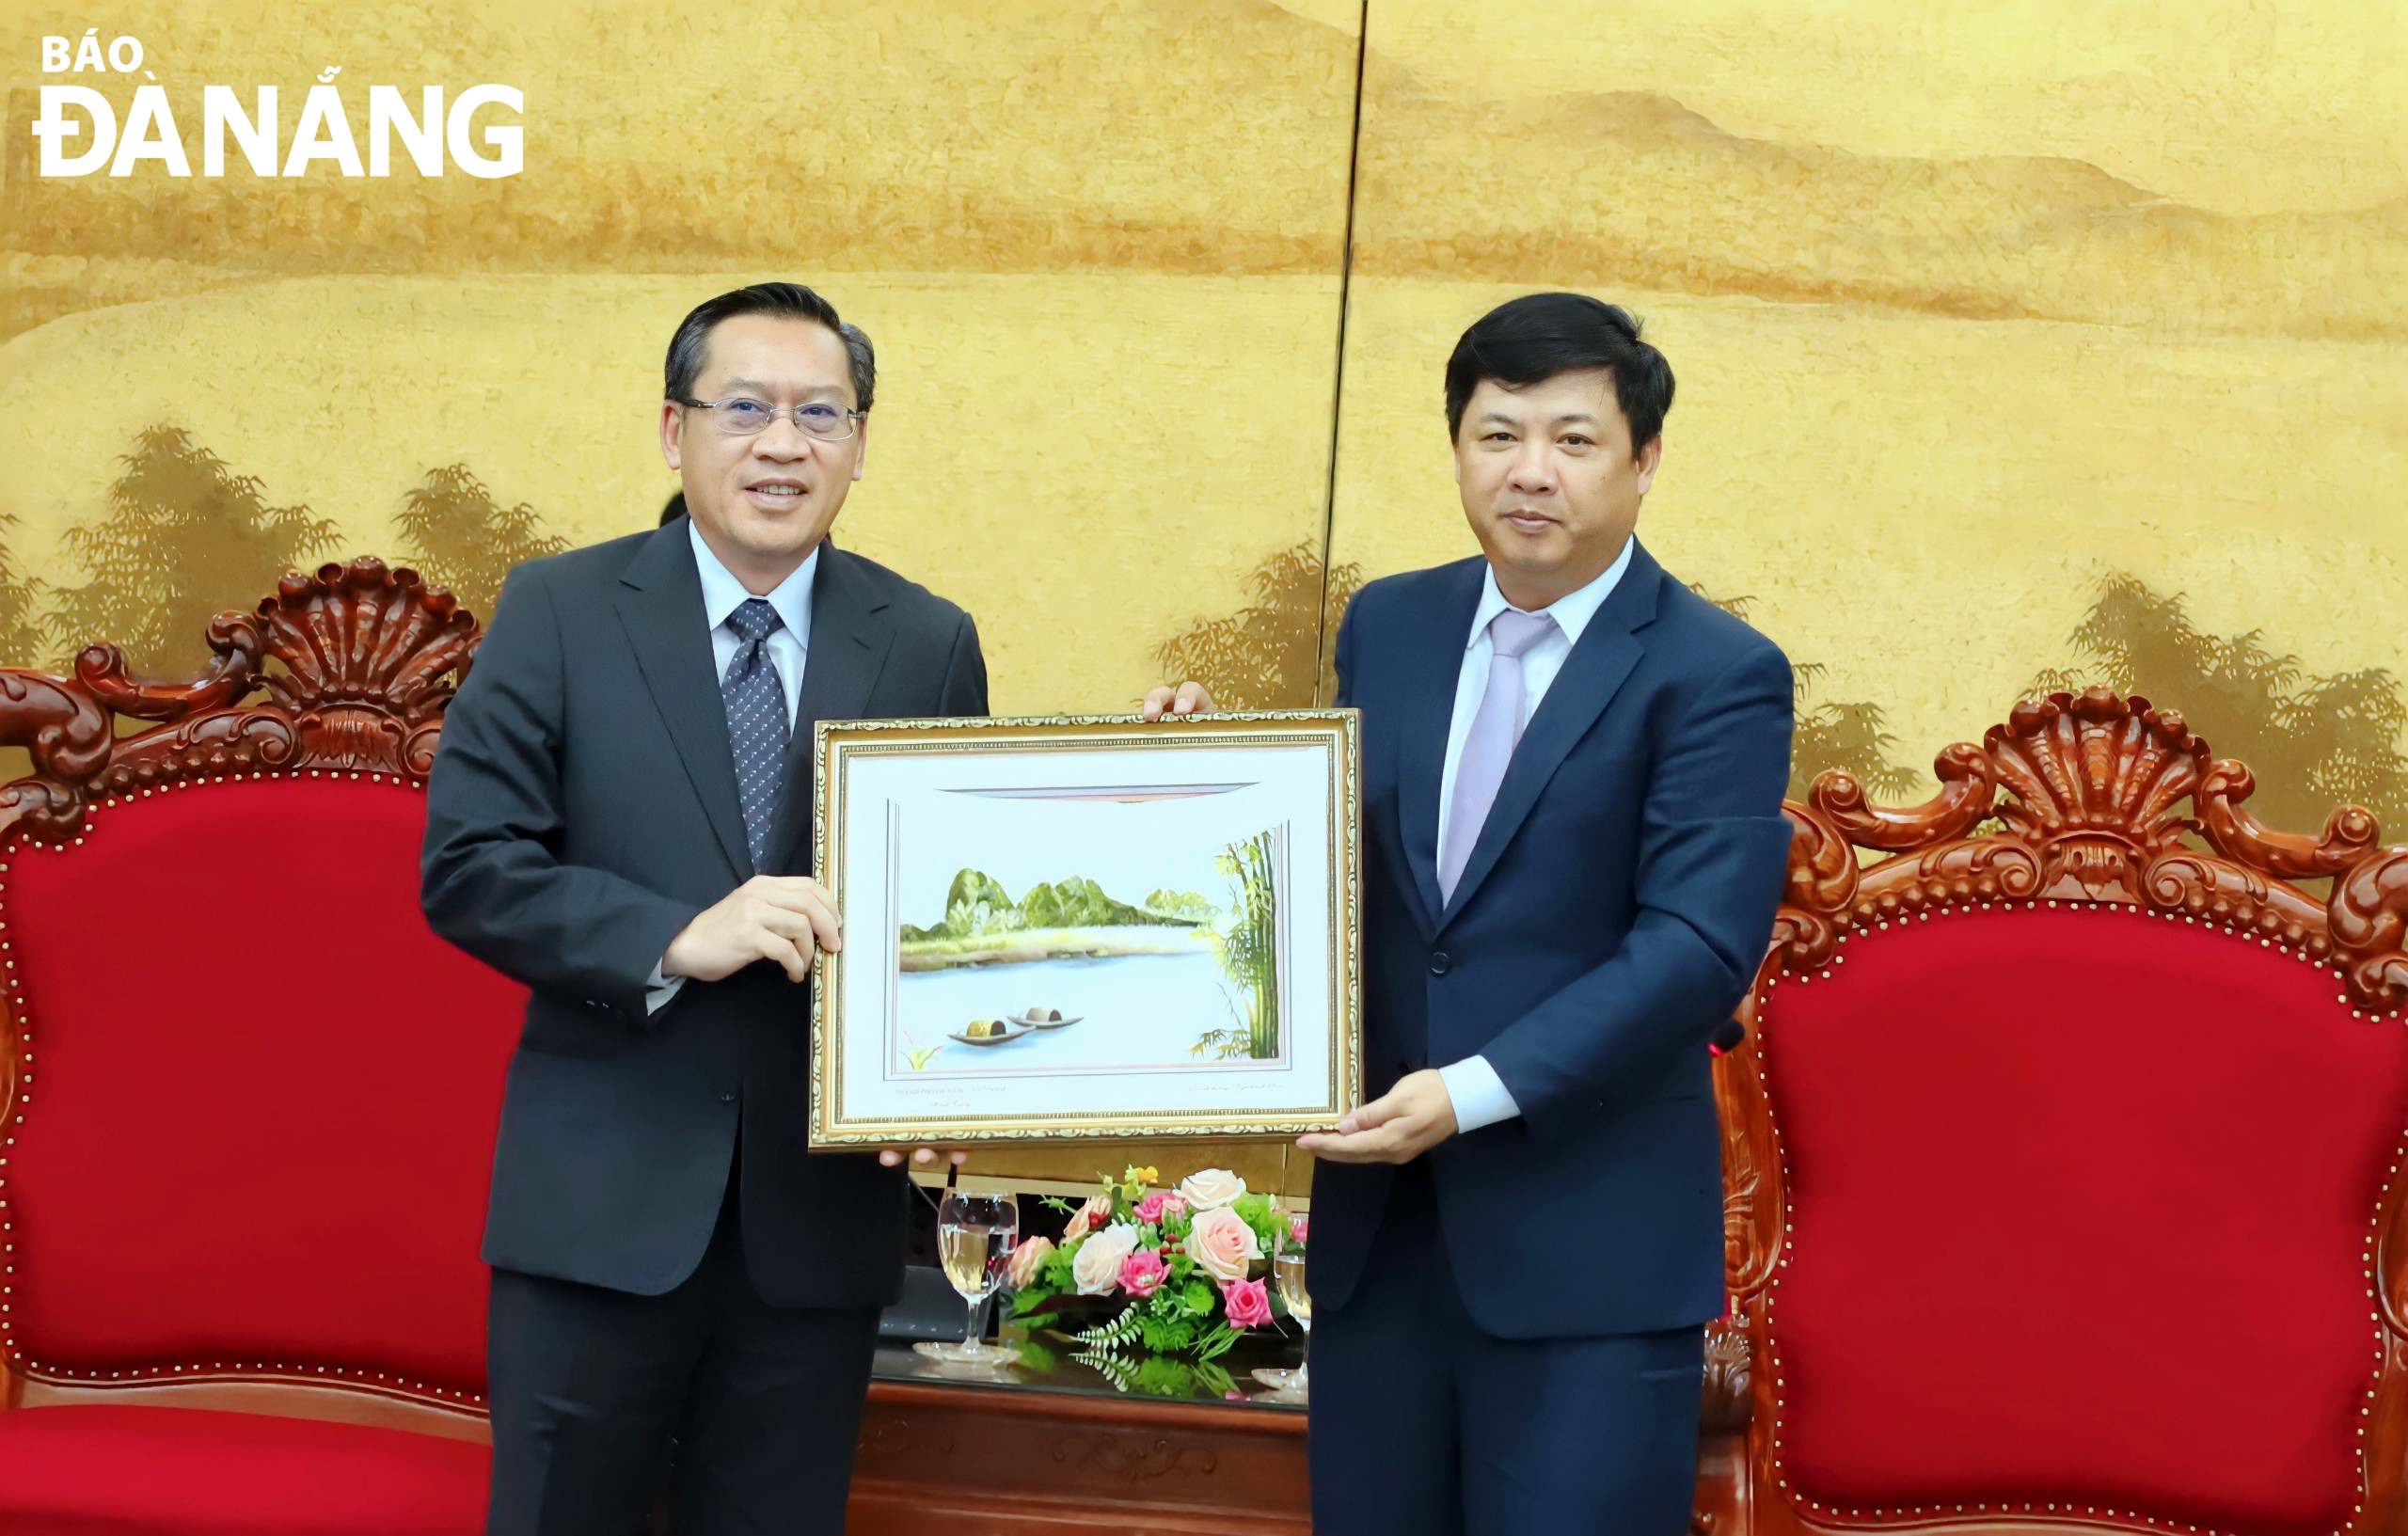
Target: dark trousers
point(1423, 1425)
point(589, 1387)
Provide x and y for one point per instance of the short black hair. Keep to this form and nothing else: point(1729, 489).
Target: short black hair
point(792, 301)
point(1529, 339)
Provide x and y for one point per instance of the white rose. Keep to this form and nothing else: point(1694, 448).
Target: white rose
point(1222, 1244)
point(1211, 1188)
point(1096, 1266)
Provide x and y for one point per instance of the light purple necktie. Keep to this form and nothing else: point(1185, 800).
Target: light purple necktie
point(1496, 731)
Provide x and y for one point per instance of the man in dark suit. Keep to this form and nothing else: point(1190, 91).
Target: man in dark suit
point(619, 818)
point(1573, 768)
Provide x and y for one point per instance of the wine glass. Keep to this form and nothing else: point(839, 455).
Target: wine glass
point(1288, 1278)
point(975, 1234)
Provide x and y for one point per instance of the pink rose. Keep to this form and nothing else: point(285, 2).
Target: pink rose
point(1297, 1228)
point(1222, 1244)
point(1142, 1272)
point(1247, 1302)
point(1160, 1207)
point(1027, 1261)
point(1095, 1214)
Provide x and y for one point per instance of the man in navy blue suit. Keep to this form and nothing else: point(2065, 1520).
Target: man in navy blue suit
point(1573, 768)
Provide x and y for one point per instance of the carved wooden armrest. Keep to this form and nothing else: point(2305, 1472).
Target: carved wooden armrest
point(1729, 1351)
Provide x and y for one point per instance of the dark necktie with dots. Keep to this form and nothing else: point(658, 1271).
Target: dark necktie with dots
point(755, 698)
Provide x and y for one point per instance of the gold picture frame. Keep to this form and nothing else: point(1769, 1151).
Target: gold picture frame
point(1136, 882)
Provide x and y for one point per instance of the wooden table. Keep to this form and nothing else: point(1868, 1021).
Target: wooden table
point(1054, 1447)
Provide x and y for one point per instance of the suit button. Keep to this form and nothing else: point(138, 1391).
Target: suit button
point(1440, 964)
point(727, 1099)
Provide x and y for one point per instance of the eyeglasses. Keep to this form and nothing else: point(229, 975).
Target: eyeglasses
point(742, 415)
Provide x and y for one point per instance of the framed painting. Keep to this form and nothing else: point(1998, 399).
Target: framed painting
point(1086, 928)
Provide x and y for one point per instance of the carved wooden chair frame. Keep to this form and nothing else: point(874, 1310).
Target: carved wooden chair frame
point(343, 673)
point(2074, 800)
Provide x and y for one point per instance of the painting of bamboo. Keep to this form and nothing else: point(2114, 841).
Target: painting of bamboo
point(1248, 945)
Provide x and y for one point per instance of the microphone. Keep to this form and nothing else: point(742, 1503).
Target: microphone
point(1727, 1036)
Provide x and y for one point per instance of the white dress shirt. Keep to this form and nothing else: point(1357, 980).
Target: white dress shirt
point(1479, 1094)
point(789, 648)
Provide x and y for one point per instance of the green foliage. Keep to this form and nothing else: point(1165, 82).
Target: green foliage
point(973, 888)
point(1165, 1377)
point(1036, 1356)
point(1166, 1336)
point(1247, 941)
point(1054, 1273)
point(184, 538)
point(1120, 1372)
point(1256, 1211)
point(1185, 906)
point(1078, 903)
point(1113, 1333)
point(1224, 1044)
point(1218, 1341)
point(458, 536)
point(1160, 1375)
point(977, 903)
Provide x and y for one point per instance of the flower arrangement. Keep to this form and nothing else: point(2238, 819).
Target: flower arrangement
point(1182, 1269)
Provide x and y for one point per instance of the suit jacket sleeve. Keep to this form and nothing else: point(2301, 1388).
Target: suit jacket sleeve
point(965, 673)
point(1712, 849)
point(1345, 660)
point(491, 877)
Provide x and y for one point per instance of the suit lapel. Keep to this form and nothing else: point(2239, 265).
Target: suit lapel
point(850, 636)
point(1433, 668)
point(660, 603)
point(1592, 675)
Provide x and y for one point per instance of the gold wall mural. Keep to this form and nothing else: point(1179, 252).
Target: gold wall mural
point(2016, 347)
point(1099, 246)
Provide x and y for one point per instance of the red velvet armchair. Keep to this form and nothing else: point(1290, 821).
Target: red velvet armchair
point(248, 1097)
point(2063, 1160)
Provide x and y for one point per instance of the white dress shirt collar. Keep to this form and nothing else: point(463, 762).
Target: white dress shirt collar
point(1572, 611)
point(723, 594)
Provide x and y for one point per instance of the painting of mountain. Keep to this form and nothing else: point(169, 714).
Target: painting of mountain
point(1177, 980)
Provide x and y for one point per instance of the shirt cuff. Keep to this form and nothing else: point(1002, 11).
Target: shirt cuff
point(658, 988)
point(1479, 1094)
